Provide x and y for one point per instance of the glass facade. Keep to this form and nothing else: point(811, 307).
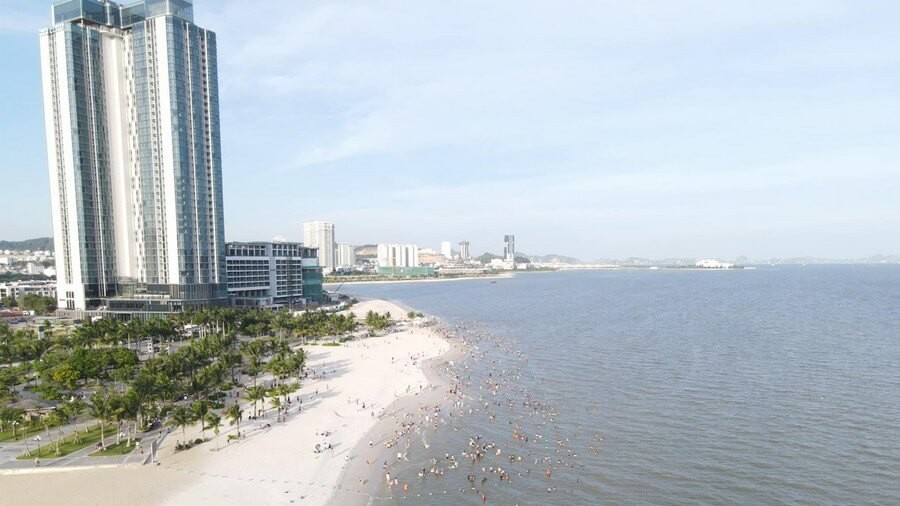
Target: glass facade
point(120, 15)
point(273, 274)
point(164, 116)
point(91, 198)
point(93, 11)
point(191, 121)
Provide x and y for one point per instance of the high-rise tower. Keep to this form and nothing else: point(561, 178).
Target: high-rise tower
point(464, 250)
point(509, 248)
point(447, 250)
point(131, 109)
point(320, 234)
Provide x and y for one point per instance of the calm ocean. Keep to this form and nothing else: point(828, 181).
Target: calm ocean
point(779, 385)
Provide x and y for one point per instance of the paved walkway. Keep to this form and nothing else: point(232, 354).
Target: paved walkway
point(9, 452)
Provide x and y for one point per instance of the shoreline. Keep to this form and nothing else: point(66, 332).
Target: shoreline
point(504, 275)
point(338, 407)
point(362, 475)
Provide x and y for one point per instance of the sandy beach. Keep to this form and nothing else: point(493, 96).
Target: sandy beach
point(358, 391)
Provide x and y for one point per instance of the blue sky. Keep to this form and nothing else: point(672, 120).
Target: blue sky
point(589, 128)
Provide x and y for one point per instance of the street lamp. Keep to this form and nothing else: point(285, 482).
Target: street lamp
point(37, 440)
point(15, 425)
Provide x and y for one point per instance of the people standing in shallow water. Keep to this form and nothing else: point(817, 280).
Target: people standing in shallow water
point(485, 389)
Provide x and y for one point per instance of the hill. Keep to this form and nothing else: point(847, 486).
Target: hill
point(554, 259)
point(39, 244)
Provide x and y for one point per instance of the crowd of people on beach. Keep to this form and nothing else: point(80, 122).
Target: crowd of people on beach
point(485, 388)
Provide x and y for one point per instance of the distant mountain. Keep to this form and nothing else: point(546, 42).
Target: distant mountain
point(876, 259)
point(367, 251)
point(39, 244)
point(487, 257)
point(553, 259)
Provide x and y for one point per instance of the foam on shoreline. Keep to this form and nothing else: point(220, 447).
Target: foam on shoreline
point(360, 481)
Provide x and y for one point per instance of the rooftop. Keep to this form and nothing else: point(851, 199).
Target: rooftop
point(119, 15)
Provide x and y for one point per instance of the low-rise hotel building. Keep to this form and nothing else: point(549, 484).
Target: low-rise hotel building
point(272, 274)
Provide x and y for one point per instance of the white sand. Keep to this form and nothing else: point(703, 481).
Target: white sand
point(270, 466)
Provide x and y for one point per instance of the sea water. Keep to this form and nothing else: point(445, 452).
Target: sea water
point(779, 385)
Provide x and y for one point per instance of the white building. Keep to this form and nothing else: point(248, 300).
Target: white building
point(709, 263)
point(273, 274)
point(501, 264)
point(17, 289)
point(447, 250)
point(131, 111)
point(398, 255)
point(346, 254)
point(320, 235)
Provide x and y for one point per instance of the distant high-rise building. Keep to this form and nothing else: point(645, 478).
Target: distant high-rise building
point(398, 255)
point(447, 250)
point(131, 109)
point(320, 235)
point(346, 255)
point(464, 250)
point(509, 248)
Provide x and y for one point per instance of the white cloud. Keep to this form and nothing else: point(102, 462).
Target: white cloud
point(639, 117)
point(424, 74)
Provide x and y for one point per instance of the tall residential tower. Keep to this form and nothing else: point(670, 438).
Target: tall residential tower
point(131, 109)
point(509, 248)
point(464, 250)
point(320, 235)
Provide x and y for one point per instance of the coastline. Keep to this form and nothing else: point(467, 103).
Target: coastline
point(503, 275)
point(360, 480)
point(276, 462)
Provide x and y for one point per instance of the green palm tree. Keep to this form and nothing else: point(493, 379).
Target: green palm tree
point(181, 417)
point(127, 410)
point(276, 402)
point(215, 421)
point(235, 414)
point(11, 416)
point(103, 409)
point(72, 410)
point(284, 390)
point(256, 394)
point(200, 409)
point(55, 418)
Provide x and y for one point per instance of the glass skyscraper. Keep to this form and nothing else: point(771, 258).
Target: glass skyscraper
point(132, 116)
point(509, 248)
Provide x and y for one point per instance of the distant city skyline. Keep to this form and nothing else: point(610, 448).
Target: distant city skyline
point(592, 130)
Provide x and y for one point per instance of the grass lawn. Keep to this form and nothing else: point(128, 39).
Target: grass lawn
point(7, 435)
point(117, 449)
point(67, 445)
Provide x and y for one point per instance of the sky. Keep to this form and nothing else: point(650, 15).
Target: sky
point(595, 129)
